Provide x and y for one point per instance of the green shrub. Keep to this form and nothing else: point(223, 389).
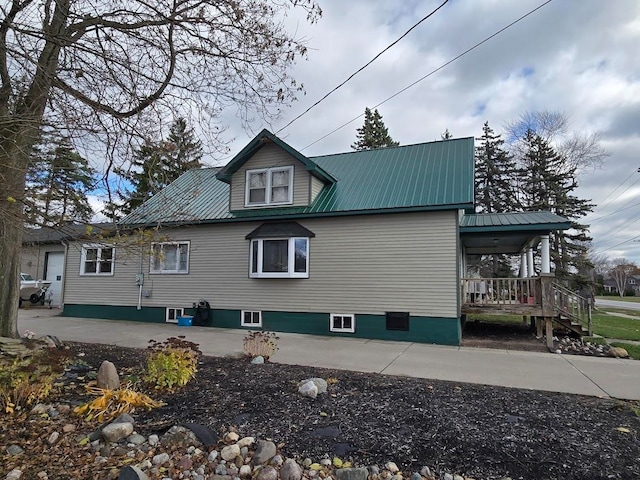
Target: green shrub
point(25, 381)
point(172, 363)
point(260, 344)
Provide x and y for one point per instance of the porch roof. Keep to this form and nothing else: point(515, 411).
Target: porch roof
point(486, 233)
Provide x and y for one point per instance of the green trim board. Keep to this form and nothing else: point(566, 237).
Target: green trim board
point(442, 331)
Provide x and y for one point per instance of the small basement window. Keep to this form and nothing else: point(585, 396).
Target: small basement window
point(251, 319)
point(341, 322)
point(398, 321)
point(173, 313)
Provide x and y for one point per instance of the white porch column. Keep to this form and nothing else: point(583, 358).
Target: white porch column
point(523, 264)
point(546, 257)
point(530, 268)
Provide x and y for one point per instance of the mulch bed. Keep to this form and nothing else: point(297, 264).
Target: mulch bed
point(478, 431)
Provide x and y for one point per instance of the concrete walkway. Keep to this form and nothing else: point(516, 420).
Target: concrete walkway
point(605, 377)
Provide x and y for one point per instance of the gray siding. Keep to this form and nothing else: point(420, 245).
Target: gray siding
point(316, 186)
point(358, 264)
point(271, 156)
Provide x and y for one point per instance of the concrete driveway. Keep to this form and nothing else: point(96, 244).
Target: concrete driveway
point(602, 377)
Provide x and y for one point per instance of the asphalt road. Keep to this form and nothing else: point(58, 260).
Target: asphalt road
point(617, 304)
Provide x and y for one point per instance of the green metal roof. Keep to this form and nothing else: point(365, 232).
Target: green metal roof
point(516, 221)
point(427, 176)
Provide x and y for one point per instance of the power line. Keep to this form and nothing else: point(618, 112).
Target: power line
point(602, 205)
point(364, 66)
point(434, 71)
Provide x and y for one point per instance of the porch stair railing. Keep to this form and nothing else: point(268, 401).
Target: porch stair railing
point(571, 310)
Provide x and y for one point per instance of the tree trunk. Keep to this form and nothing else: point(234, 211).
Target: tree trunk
point(13, 167)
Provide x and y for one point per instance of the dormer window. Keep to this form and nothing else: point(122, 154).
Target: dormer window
point(269, 186)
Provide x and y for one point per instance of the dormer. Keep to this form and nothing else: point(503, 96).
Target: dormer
point(268, 173)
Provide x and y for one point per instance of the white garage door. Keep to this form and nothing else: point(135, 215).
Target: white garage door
point(54, 269)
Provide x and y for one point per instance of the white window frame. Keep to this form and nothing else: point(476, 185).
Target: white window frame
point(177, 312)
point(164, 270)
point(352, 329)
point(291, 256)
point(100, 247)
point(251, 324)
point(267, 192)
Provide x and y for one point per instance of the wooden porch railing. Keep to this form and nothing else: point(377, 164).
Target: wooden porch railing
point(573, 307)
point(501, 291)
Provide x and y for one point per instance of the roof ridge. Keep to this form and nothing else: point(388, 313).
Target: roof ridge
point(389, 148)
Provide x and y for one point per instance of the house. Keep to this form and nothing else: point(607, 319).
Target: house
point(367, 244)
point(43, 254)
point(633, 285)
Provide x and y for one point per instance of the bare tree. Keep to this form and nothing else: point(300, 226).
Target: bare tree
point(104, 71)
point(621, 269)
point(581, 151)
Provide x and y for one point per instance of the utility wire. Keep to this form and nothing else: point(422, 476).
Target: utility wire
point(434, 71)
point(603, 204)
point(364, 66)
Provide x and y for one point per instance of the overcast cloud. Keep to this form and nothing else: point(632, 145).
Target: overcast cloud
point(575, 56)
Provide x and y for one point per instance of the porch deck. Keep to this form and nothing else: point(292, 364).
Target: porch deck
point(536, 297)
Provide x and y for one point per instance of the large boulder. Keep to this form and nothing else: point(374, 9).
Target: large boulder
point(108, 378)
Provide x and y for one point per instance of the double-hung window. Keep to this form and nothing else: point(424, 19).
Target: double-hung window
point(170, 257)
point(279, 258)
point(97, 260)
point(269, 186)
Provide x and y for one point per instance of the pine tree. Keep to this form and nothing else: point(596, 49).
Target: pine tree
point(446, 135)
point(494, 174)
point(155, 165)
point(58, 180)
point(547, 182)
point(373, 134)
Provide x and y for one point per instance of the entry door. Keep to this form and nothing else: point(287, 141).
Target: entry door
point(53, 274)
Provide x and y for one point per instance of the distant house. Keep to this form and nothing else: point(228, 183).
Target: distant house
point(632, 285)
point(367, 244)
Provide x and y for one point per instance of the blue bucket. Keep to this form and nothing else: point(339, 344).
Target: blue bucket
point(185, 321)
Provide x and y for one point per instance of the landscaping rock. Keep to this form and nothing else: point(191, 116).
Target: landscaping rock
point(132, 473)
point(14, 474)
point(160, 459)
point(53, 438)
point(267, 473)
point(308, 389)
point(202, 433)
point(265, 451)
point(258, 360)
point(618, 352)
point(124, 418)
point(230, 452)
point(14, 450)
point(351, 474)
point(246, 442)
point(136, 439)
point(320, 383)
point(290, 470)
point(181, 435)
point(108, 378)
point(114, 432)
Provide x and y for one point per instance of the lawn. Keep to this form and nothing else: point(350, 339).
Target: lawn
point(619, 299)
point(612, 326)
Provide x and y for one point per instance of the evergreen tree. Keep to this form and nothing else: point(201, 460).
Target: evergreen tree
point(58, 179)
point(155, 165)
point(547, 182)
point(494, 174)
point(446, 135)
point(373, 134)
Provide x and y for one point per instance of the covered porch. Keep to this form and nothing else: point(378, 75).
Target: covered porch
point(533, 294)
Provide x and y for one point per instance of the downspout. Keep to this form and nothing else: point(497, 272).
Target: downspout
point(140, 280)
point(63, 287)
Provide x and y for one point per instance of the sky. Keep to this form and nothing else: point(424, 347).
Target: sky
point(579, 57)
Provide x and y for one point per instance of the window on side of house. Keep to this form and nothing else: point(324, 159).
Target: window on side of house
point(279, 258)
point(250, 318)
point(97, 260)
point(342, 322)
point(169, 257)
point(173, 313)
point(269, 186)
